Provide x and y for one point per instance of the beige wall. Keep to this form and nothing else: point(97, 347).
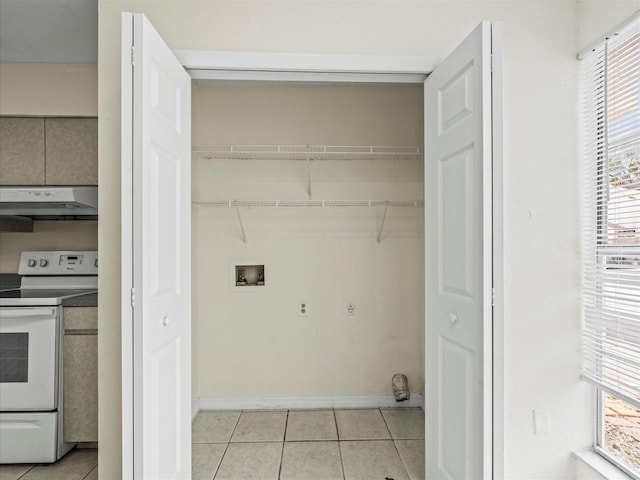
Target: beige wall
point(49, 89)
point(541, 230)
point(330, 115)
point(322, 258)
point(47, 235)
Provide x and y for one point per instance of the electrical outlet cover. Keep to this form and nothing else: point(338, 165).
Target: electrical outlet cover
point(350, 309)
point(303, 309)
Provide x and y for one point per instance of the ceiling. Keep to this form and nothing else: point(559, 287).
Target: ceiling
point(48, 31)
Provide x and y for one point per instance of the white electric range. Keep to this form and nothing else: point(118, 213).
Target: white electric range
point(31, 329)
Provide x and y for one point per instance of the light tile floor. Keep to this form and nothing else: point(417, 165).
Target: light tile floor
point(79, 464)
point(281, 445)
point(309, 444)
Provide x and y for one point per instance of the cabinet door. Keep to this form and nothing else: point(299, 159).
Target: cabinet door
point(21, 151)
point(72, 151)
point(80, 388)
point(81, 318)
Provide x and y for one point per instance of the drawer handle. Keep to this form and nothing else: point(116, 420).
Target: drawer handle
point(166, 320)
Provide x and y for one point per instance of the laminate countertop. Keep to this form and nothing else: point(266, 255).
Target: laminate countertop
point(9, 280)
point(90, 300)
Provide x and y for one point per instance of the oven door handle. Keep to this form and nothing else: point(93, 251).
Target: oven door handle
point(27, 312)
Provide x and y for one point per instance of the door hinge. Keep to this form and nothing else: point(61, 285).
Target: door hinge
point(493, 297)
point(132, 298)
point(133, 55)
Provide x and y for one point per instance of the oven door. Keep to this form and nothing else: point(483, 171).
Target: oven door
point(28, 358)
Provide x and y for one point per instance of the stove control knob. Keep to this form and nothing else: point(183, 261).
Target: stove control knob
point(44, 262)
point(31, 262)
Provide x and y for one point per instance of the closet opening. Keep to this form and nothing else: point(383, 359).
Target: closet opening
point(322, 188)
point(324, 185)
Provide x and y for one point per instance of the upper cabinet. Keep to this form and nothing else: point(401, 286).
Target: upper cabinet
point(71, 151)
point(48, 151)
point(22, 151)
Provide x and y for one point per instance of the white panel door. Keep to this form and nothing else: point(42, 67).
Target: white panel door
point(161, 224)
point(458, 270)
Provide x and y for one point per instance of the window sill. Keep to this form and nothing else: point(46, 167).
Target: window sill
point(590, 465)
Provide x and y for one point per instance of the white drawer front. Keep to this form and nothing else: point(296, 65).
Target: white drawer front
point(28, 437)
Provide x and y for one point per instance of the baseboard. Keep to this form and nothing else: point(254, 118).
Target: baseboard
point(272, 403)
point(195, 408)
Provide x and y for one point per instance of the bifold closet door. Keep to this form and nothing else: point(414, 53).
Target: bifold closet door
point(158, 174)
point(458, 276)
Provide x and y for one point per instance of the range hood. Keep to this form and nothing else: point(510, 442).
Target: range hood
point(49, 202)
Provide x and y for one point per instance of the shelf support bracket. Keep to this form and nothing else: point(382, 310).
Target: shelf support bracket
point(308, 171)
point(244, 235)
point(384, 217)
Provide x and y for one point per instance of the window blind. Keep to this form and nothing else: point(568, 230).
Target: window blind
point(611, 214)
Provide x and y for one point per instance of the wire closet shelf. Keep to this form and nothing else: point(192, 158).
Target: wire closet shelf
point(310, 203)
point(306, 152)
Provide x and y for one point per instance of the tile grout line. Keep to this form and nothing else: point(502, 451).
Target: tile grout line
point(284, 436)
point(90, 472)
point(404, 465)
point(310, 441)
point(235, 427)
point(335, 419)
point(23, 475)
point(386, 424)
point(226, 447)
point(220, 462)
point(395, 446)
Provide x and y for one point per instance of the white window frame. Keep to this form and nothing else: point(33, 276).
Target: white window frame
point(599, 430)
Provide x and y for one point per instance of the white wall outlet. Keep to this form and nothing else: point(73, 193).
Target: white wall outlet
point(303, 309)
point(350, 309)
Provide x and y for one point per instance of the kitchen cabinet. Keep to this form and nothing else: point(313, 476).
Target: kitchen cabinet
point(48, 151)
point(71, 151)
point(80, 371)
point(22, 151)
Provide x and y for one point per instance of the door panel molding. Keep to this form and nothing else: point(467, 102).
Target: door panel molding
point(459, 261)
point(156, 257)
